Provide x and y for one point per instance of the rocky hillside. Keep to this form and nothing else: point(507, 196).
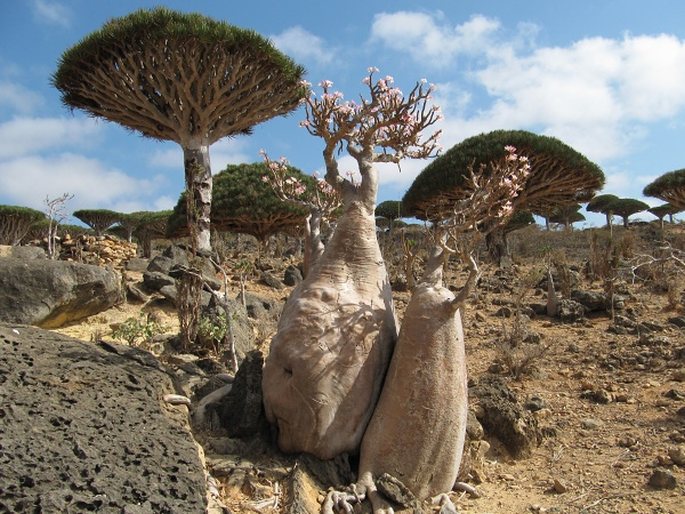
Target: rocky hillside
point(579, 411)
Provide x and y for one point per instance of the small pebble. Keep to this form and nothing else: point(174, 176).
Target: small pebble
point(662, 479)
point(590, 424)
point(677, 455)
point(559, 487)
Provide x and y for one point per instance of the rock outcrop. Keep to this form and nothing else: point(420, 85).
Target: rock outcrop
point(50, 293)
point(84, 427)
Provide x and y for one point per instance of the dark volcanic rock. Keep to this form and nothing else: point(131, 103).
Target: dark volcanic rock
point(50, 293)
point(241, 411)
point(503, 416)
point(84, 428)
point(292, 276)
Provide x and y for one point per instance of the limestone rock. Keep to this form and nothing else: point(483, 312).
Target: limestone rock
point(50, 293)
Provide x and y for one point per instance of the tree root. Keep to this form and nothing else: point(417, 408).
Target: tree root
point(342, 501)
point(338, 502)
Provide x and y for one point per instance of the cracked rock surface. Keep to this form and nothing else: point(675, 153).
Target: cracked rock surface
point(84, 428)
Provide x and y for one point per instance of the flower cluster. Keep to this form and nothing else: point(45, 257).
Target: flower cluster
point(385, 127)
point(489, 196)
point(323, 197)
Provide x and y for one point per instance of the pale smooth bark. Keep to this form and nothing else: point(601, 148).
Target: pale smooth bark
point(198, 176)
point(327, 361)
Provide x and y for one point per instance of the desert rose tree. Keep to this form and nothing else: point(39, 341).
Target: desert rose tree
point(669, 187)
point(180, 77)
point(321, 200)
point(418, 428)
point(327, 361)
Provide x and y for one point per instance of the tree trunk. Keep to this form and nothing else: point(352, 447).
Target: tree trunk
point(496, 243)
point(313, 246)
point(146, 243)
point(418, 429)
point(327, 361)
point(198, 174)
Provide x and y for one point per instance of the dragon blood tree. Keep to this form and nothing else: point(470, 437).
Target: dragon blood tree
point(150, 225)
point(98, 219)
point(327, 361)
point(418, 428)
point(389, 210)
point(184, 78)
point(558, 173)
point(626, 207)
point(16, 223)
point(663, 210)
point(602, 204)
point(497, 241)
point(244, 203)
point(669, 187)
point(567, 215)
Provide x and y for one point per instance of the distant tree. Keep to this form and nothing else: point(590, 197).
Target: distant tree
point(56, 213)
point(15, 223)
point(180, 77)
point(151, 225)
point(666, 209)
point(128, 223)
point(245, 203)
point(567, 215)
point(497, 241)
point(626, 207)
point(602, 204)
point(391, 210)
point(669, 187)
point(559, 175)
point(98, 219)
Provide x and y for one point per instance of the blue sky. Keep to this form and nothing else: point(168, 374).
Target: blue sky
point(606, 77)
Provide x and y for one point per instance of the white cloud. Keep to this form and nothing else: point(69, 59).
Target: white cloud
point(25, 135)
point(28, 180)
point(52, 13)
point(230, 151)
point(389, 174)
point(598, 95)
point(303, 45)
point(224, 152)
point(428, 41)
point(18, 97)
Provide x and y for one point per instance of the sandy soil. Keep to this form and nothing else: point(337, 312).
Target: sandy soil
point(603, 454)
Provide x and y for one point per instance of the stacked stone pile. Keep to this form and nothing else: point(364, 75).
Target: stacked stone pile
point(104, 250)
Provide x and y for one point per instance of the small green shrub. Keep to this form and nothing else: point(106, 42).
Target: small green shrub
point(137, 331)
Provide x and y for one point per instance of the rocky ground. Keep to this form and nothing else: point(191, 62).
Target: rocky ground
point(604, 399)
